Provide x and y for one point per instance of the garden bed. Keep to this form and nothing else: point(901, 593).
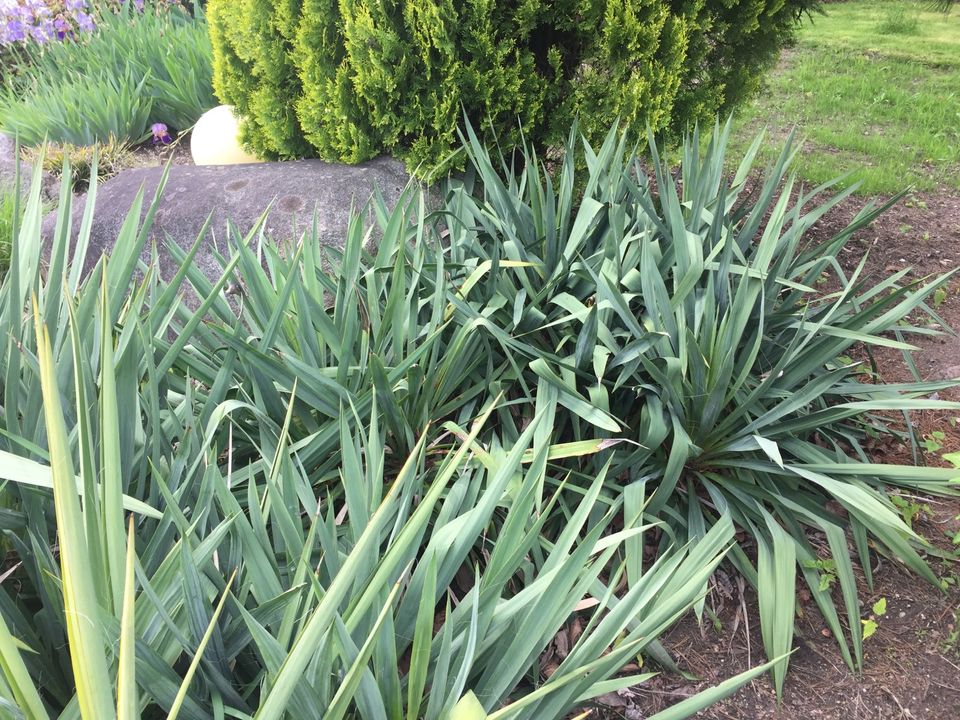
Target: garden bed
point(694, 372)
point(912, 661)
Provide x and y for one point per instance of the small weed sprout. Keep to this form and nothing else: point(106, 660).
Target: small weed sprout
point(827, 570)
point(933, 441)
point(871, 624)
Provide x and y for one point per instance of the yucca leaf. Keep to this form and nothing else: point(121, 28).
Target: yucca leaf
point(198, 654)
point(468, 708)
point(423, 635)
point(351, 680)
point(322, 617)
point(127, 701)
point(706, 698)
point(30, 472)
point(776, 571)
point(80, 605)
point(111, 506)
point(18, 677)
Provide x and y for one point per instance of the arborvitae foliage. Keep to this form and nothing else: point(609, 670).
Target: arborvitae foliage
point(349, 79)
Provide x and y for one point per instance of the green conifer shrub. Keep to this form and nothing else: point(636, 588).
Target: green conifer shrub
point(349, 79)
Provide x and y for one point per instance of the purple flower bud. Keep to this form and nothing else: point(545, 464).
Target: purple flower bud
point(160, 134)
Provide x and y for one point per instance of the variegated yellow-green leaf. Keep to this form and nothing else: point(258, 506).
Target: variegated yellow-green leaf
point(84, 629)
point(18, 677)
point(127, 703)
point(468, 708)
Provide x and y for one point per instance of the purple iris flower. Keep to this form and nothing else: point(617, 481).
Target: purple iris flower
point(23, 21)
point(62, 27)
point(16, 31)
point(84, 21)
point(42, 31)
point(160, 134)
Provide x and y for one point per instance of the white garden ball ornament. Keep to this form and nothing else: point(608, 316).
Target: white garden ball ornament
point(215, 139)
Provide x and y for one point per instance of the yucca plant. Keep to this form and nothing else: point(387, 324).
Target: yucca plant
point(178, 529)
point(683, 325)
point(689, 320)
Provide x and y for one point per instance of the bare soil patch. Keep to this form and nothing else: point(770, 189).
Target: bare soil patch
point(149, 155)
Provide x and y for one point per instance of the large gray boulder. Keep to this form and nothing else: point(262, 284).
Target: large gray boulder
point(49, 188)
point(8, 165)
point(239, 194)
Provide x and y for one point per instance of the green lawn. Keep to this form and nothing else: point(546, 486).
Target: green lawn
point(873, 87)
